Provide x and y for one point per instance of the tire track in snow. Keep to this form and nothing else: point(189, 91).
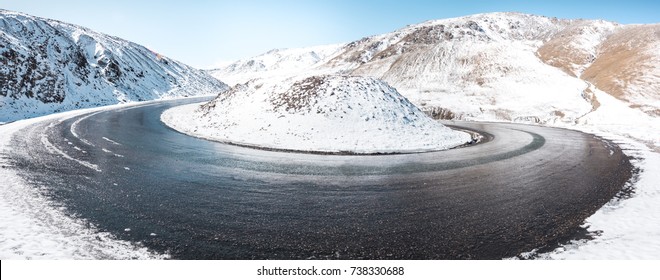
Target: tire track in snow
point(54, 150)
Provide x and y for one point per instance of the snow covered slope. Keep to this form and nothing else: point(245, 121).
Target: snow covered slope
point(48, 66)
point(277, 62)
point(628, 67)
point(497, 66)
point(318, 113)
point(575, 47)
point(477, 67)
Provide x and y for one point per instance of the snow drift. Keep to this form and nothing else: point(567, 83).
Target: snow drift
point(338, 114)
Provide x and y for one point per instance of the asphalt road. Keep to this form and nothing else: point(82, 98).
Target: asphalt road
point(127, 173)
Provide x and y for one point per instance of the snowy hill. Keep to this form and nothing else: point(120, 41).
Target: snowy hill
point(277, 62)
point(49, 66)
point(500, 66)
point(317, 113)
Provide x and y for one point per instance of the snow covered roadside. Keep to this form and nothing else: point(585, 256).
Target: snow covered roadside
point(329, 114)
point(32, 227)
point(629, 227)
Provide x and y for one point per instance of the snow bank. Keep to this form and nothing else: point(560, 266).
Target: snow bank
point(627, 228)
point(318, 113)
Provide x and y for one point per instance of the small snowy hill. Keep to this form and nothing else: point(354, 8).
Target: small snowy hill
point(500, 66)
point(49, 66)
point(317, 113)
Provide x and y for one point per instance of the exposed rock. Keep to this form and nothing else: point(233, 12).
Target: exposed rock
point(48, 66)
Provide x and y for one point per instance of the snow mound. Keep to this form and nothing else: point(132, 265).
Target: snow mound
point(334, 114)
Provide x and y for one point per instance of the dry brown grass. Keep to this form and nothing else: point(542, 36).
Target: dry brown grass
point(561, 56)
point(623, 59)
point(559, 52)
point(439, 113)
point(559, 114)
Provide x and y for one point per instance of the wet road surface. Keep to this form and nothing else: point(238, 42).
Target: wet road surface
point(127, 173)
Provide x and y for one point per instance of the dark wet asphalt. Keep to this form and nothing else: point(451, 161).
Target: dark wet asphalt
point(526, 188)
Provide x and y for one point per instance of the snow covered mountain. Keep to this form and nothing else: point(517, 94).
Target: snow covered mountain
point(500, 66)
point(318, 113)
point(49, 66)
point(277, 62)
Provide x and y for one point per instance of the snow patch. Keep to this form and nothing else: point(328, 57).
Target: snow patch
point(111, 141)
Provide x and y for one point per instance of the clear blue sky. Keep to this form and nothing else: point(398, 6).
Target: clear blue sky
point(203, 33)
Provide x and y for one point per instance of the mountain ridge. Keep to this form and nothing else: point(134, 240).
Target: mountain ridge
point(50, 66)
point(453, 64)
